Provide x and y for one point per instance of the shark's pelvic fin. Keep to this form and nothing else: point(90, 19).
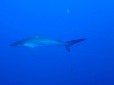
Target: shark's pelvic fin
point(72, 42)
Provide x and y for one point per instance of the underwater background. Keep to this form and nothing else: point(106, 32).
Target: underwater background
point(90, 62)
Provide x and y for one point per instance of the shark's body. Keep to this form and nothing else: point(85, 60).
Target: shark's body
point(39, 41)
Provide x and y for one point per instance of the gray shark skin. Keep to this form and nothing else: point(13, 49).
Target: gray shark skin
point(38, 41)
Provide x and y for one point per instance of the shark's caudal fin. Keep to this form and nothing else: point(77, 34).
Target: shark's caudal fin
point(72, 42)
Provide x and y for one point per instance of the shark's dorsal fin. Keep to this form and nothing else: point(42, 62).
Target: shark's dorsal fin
point(38, 36)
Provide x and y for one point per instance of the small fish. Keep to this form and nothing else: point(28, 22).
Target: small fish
point(39, 41)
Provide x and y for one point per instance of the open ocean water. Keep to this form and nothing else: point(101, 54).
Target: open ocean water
point(90, 62)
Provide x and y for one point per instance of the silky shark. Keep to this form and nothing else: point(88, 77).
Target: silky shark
point(40, 41)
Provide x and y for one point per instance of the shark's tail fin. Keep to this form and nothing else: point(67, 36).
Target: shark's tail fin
point(72, 42)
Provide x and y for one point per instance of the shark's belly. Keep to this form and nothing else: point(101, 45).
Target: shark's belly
point(30, 45)
point(37, 43)
point(47, 42)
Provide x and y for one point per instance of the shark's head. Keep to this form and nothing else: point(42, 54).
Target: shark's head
point(29, 42)
point(18, 43)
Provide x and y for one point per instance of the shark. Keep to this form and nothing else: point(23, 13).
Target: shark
point(37, 41)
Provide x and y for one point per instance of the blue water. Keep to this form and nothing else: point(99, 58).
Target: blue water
point(90, 62)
